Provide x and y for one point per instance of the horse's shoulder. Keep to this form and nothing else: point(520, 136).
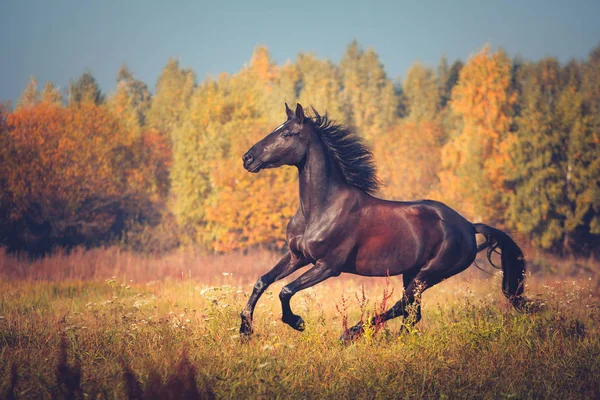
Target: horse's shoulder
point(296, 224)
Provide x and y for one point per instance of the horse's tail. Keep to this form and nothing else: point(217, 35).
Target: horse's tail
point(513, 263)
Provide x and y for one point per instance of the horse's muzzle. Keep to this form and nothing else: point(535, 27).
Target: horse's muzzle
point(248, 160)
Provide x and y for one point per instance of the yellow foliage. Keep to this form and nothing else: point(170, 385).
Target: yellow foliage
point(407, 157)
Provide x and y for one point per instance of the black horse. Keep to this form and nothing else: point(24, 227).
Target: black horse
point(341, 228)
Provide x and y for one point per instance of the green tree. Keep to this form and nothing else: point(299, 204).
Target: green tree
point(172, 98)
point(582, 167)
point(555, 168)
point(85, 90)
point(422, 93)
point(535, 173)
point(447, 79)
point(370, 99)
point(131, 101)
point(195, 144)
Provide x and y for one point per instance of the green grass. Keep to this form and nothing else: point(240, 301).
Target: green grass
point(470, 343)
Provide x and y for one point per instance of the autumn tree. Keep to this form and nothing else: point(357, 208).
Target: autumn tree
point(51, 94)
point(5, 197)
point(473, 160)
point(319, 85)
point(195, 143)
point(69, 177)
point(209, 184)
point(30, 96)
point(408, 160)
point(509, 143)
point(241, 215)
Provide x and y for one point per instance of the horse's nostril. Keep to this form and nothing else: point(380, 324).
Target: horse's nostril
point(248, 157)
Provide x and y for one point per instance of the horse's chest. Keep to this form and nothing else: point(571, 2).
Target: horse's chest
point(302, 247)
point(312, 244)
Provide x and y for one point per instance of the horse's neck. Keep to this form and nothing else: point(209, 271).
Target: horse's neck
point(319, 178)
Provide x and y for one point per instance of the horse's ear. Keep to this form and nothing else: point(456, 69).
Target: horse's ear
point(299, 113)
point(290, 113)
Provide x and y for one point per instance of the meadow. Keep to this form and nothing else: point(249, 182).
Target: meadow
point(106, 323)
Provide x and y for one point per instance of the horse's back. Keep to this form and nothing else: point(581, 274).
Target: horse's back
point(394, 237)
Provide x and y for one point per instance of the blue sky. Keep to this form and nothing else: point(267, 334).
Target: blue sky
point(59, 40)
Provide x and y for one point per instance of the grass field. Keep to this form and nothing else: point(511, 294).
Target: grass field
point(107, 324)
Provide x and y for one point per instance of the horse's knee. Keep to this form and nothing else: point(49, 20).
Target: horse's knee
point(260, 285)
point(285, 294)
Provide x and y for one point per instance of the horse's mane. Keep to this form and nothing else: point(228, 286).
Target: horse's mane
point(349, 151)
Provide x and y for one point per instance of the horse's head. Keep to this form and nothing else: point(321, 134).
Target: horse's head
point(286, 145)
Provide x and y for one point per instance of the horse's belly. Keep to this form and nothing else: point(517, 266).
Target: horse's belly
point(379, 258)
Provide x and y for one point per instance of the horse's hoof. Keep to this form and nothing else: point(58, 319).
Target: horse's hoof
point(351, 334)
point(299, 326)
point(246, 329)
point(296, 322)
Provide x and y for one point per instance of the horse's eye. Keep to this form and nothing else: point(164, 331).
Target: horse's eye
point(287, 134)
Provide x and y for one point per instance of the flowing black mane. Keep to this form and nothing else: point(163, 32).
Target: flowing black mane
point(349, 151)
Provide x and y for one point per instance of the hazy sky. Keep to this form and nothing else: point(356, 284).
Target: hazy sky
point(58, 40)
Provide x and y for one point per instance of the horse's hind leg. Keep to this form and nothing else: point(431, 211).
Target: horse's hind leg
point(447, 262)
point(404, 307)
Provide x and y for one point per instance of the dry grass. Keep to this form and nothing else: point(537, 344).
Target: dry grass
point(108, 324)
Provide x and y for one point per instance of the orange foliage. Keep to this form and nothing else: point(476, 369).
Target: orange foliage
point(60, 156)
point(68, 171)
point(152, 160)
point(250, 209)
point(475, 158)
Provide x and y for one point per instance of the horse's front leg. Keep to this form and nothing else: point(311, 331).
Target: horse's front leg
point(287, 265)
point(316, 274)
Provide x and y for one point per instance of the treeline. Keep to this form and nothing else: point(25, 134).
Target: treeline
point(506, 141)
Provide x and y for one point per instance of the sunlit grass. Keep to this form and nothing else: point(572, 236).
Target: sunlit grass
point(470, 343)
